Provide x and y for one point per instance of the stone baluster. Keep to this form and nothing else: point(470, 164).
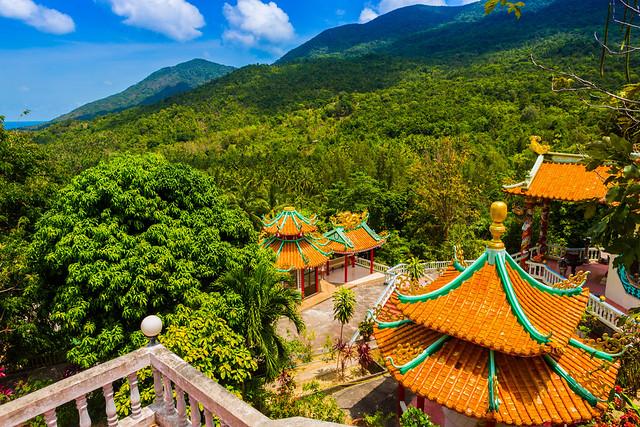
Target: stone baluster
point(195, 412)
point(50, 418)
point(81, 404)
point(136, 409)
point(157, 385)
point(181, 407)
point(110, 408)
point(168, 396)
point(208, 418)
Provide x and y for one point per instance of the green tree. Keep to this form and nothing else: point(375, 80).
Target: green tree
point(130, 237)
point(266, 301)
point(344, 304)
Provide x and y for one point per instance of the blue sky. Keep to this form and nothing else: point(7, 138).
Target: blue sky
point(56, 55)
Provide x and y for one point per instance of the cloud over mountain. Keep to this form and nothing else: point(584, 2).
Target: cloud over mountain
point(253, 23)
point(176, 19)
point(372, 12)
point(38, 16)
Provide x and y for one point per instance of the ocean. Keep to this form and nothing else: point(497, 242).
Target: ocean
point(20, 124)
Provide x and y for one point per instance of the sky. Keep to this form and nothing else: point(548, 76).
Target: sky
point(56, 55)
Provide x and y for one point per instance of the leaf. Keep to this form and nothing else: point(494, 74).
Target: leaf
point(490, 5)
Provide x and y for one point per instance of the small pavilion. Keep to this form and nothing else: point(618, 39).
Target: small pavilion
point(489, 342)
point(352, 235)
point(555, 176)
point(299, 249)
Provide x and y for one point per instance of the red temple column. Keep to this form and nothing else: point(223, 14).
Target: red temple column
point(526, 232)
point(316, 280)
point(346, 266)
point(371, 262)
point(420, 403)
point(491, 423)
point(353, 261)
point(400, 398)
point(302, 282)
point(544, 226)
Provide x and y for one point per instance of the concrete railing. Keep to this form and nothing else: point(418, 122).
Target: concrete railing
point(555, 252)
point(170, 374)
point(376, 266)
point(604, 312)
point(543, 273)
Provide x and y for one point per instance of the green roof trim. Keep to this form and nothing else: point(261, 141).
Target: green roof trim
point(456, 264)
point(596, 353)
point(422, 356)
point(515, 305)
point(294, 215)
point(573, 384)
point(540, 286)
point(494, 403)
point(455, 283)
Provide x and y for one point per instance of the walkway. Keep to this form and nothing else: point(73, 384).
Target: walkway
point(317, 310)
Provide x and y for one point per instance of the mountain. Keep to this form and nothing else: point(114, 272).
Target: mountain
point(422, 31)
point(156, 87)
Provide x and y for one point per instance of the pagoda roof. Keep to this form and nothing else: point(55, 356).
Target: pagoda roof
point(491, 342)
point(486, 384)
point(289, 222)
point(352, 234)
point(498, 306)
point(307, 251)
point(558, 176)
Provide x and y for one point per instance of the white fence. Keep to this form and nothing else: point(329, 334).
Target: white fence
point(171, 375)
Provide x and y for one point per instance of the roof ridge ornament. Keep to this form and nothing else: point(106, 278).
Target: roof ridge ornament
point(498, 215)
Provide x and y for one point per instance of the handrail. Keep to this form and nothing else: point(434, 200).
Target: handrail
point(606, 313)
point(191, 388)
point(376, 266)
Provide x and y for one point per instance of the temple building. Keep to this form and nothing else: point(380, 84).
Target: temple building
point(299, 249)
point(555, 176)
point(351, 235)
point(490, 342)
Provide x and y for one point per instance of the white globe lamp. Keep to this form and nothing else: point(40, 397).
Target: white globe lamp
point(151, 327)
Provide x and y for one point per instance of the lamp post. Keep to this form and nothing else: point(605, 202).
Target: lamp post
point(151, 327)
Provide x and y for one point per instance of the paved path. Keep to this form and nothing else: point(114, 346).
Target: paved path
point(319, 317)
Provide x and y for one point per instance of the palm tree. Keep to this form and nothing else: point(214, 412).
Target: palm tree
point(251, 201)
point(344, 303)
point(266, 301)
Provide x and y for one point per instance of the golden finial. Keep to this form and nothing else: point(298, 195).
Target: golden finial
point(536, 146)
point(498, 214)
point(289, 209)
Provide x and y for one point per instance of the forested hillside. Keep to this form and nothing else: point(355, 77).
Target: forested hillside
point(155, 209)
point(157, 86)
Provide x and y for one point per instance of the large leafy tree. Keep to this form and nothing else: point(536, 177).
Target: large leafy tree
point(28, 182)
point(133, 236)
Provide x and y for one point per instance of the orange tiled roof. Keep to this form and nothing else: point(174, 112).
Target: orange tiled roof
point(305, 252)
point(529, 391)
point(461, 340)
point(479, 311)
point(569, 182)
point(289, 222)
point(359, 239)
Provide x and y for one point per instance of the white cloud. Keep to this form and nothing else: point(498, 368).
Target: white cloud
point(40, 17)
point(108, 82)
point(340, 12)
point(389, 5)
point(24, 89)
point(367, 15)
point(176, 19)
point(252, 23)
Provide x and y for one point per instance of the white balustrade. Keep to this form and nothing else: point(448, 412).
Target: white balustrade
point(168, 369)
point(381, 268)
point(606, 313)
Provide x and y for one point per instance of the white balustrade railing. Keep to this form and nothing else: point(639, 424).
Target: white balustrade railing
point(606, 313)
point(381, 268)
point(169, 373)
point(543, 273)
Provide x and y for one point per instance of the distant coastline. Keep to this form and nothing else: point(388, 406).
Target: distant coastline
point(20, 124)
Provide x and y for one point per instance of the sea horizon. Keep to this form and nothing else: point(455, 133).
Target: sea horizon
point(22, 124)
